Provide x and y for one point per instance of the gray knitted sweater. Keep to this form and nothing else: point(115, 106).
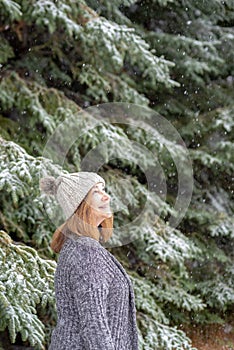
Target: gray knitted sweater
point(94, 299)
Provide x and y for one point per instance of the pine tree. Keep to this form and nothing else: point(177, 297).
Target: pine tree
point(173, 57)
point(26, 282)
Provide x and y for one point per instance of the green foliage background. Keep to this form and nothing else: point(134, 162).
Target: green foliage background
point(173, 56)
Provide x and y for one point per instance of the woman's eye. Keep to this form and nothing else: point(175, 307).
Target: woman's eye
point(98, 191)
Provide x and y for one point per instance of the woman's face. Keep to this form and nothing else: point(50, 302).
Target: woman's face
point(99, 201)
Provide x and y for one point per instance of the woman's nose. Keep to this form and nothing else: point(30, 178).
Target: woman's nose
point(105, 197)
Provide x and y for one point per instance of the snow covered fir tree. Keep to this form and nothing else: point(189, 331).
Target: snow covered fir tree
point(173, 57)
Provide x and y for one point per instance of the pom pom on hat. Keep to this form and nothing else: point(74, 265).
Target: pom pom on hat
point(49, 185)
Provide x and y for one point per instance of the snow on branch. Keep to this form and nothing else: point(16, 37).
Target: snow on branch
point(26, 281)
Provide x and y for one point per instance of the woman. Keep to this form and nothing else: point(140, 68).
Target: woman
point(94, 295)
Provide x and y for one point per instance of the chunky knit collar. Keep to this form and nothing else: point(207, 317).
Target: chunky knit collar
point(84, 239)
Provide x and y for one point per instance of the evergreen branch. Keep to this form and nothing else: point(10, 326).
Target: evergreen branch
point(26, 281)
point(10, 10)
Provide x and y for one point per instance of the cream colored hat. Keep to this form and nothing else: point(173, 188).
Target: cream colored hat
point(70, 189)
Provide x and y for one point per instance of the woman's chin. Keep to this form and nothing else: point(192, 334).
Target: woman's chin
point(104, 213)
point(107, 214)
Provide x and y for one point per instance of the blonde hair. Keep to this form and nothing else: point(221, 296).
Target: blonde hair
point(81, 223)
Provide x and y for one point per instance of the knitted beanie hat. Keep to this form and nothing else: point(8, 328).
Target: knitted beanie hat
point(70, 189)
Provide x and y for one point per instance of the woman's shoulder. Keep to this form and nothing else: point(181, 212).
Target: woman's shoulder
point(87, 262)
point(83, 251)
